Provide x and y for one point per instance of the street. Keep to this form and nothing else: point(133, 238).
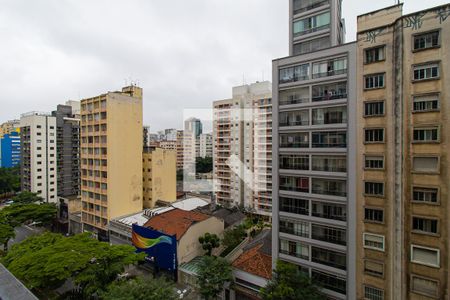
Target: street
point(23, 232)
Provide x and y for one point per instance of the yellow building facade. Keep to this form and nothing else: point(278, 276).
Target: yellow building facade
point(159, 176)
point(111, 157)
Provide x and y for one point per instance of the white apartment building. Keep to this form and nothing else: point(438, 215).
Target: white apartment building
point(205, 145)
point(38, 155)
point(237, 145)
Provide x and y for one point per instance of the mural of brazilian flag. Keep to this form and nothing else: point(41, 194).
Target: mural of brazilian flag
point(160, 247)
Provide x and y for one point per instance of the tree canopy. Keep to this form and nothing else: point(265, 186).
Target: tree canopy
point(209, 242)
point(9, 180)
point(140, 289)
point(203, 165)
point(26, 197)
point(288, 283)
point(213, 273)
point(46, 261)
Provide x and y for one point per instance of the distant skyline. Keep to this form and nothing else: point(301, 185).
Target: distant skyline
point(184, 54)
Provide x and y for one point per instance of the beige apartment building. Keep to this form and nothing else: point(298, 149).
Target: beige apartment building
point(9, 126)
point(403, 139)
point(111, 157)
point(159, 176)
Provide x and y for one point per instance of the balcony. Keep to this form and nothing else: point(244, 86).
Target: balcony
point(310, 7)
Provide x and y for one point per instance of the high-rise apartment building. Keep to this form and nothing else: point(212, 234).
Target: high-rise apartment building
point(111, 157)
point(234, 141)
point(313, 209)
point(38, 166)
point(179, 148)
point(159, 176)
point(193, 125)
point(403, 156)
point(9, 126)
point(10, 150)
point(205, 145)
point(68, 148)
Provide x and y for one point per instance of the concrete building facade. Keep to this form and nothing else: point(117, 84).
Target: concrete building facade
point(313, 210)
point(38, 166)
point(205, 145)
point(402, 163)
point(159, 176)
point(111, 157)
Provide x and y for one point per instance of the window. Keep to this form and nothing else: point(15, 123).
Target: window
point(374, 268)
point(295, 227)
point(374, 109)
point(373, 215)
point(373, 241)
point(294, 249)
point(329, 234)
point(296, 206)
point(425, 256)
point(329, 211)
point(426, 164)
point(296, 184)
point(294, 162)
point(330, 187)
point(374, 55)
point(425, 195)
point(422, 225)
point(425, 286)
point(330, 91)
point(374, 162)
point(333, 139)
point(294, 140)
point(329, 281)
point(374, 189)
point(426, 134)
point(426, 103)
point(329, 163)
point(374, 135)
point(329, 258)
point(294, 118)
point(331, 67)
point(329, 115)
point(426, 40)
point(375, 81)
point(424, 72)
point(312, 45)
point(293, 74)
point(312, 24)
point(294, 96)
point(305, 5)
point(372, 293)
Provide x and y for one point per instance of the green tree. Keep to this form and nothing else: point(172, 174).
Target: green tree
point(234, 236)
point(6, 233)
point(203, 165)
point(9, 180)
point(140, 289)
point(26, 197)
point(212, 275)
point(288, 283)
point(46, 261)
point(209, 242)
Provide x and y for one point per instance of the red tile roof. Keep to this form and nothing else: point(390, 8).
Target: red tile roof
point(255, 262)
point(175, 222)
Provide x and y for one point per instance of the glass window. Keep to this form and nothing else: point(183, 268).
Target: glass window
point(333, 139)
point(330, 258)
point(426, 40)
point(330, 281)
point(426, 134)
point(305, 5)
point(330, 187)
point(426, 164)
point(425, 225)
point(424, 286)
point(374, 162)
point(331, 91)
point(421, 194)
point(374, 268)
point(295, 227)
point(294, 96)
point(374, 55)
point(425, 256)
point(374, 189)
point(294, 140)
point(329, 163)
point(329, 234)
point(373, 241)
point(293, 74)
point(373, 109)
point(329, 211)
point(296, 184)
point(294, 118)
point(329, 115)
point(296, 206)
point(375, 81)
point(374, 135)
point(424, 72)
point(373, 215)
point(426, 103)
point(296, 249)
point(294, 162)
point(312, 24)
point(331, 67)
point(312, 46)
point(371, 293)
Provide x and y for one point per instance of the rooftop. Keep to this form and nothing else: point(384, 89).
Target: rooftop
point(175, 222)
point(11, 288)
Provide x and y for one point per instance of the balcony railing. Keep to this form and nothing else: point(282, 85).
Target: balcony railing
point(294, 101)
point(295, 254)
point(311, 30)
point(312, 6)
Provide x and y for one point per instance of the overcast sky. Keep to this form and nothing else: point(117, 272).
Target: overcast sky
point(184, 53)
